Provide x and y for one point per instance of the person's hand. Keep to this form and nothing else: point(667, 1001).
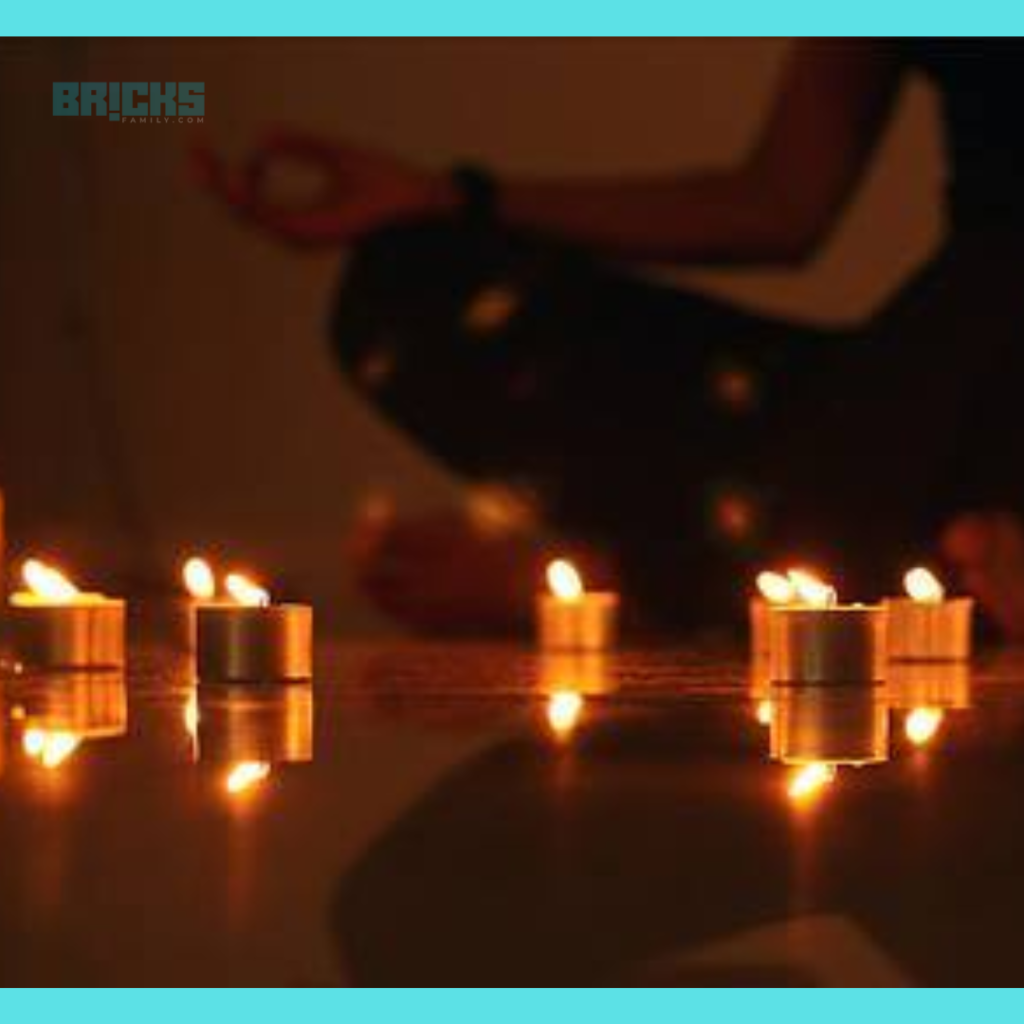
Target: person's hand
point(439, 575)
point(353, 190)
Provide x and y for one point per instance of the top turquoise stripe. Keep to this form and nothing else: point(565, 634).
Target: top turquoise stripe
point(512, 17)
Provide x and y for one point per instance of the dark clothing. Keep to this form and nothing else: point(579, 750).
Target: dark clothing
point(695, 441)
point(981, 87)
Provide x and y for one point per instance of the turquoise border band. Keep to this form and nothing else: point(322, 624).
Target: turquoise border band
point(512, 17)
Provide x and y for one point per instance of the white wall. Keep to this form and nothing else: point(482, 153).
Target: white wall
point(194, 401)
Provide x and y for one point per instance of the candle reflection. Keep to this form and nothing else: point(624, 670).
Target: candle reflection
point(246, 775)
point(566, 679)
point(837, 726)
point(818, 730)
point(810, 780)
point(245, 735)
point(927, 692)
point(922, 725)
point(59, 715)
point(943, 685)
point(563, 712)
point(51, 748)
point(190, 719)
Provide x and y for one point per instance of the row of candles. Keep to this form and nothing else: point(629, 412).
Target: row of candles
point(800, 634)
point(798, 626)
point(238, 633)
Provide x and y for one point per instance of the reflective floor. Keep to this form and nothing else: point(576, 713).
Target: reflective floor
point(449, 814)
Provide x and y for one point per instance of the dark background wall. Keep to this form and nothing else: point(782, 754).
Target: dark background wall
point(164, 381)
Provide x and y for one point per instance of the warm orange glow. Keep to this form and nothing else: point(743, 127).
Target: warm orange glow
point(50, 748)
point(810, 779)
point(245, 591)
point(921, 725)
point(564, 581)
point(763, 712)
point(191, 716)
point(563, 711)
point(776, 588)
point(246, 774)
point(810, 590)
point(922, 585)
point(48, 583)
point(198, 579)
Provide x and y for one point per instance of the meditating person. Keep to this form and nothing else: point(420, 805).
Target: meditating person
point(676, 442)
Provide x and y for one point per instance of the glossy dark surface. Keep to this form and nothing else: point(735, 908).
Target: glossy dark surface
point(474, 814)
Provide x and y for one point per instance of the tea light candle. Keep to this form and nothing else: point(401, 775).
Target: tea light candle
point(926, 625)
point(775, 590)
point(200, 584)
point(822, 641)
point(572, 618)
point(249, 639)
point(54, 625)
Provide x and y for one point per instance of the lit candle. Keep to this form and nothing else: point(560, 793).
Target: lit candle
point(54, 625)
point(200, 584)
point(572, 618)
point(250, 639)
point(773, 590)
point(926, 625)
point(199, 580)
point(822, 641)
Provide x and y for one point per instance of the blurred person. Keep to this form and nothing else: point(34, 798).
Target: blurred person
point(508, 326)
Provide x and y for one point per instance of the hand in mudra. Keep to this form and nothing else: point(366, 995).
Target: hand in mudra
point(306, 190)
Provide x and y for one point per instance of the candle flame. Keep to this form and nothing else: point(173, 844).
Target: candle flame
point(922, 585)
point(564, 581)
point(198, 579)
point(47, 582)
point(563, 712)
point(810, 779)
point(763, 712)
point(810, 590)
point(921, 725)
point(776, 588)
point(245, 591)
point(246, 774)
point(50, 748)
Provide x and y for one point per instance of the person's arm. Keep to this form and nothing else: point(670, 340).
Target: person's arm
point(776, 206)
